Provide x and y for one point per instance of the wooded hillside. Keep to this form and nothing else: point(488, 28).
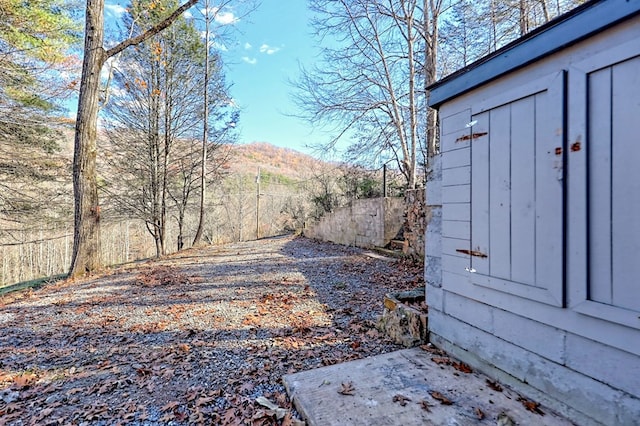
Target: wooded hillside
point(36, 209)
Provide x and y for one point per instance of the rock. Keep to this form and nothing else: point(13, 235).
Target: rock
point(405, 325)
point(9, 396)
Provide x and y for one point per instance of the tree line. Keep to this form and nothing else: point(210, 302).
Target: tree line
point(163, 100)
point(378, 58)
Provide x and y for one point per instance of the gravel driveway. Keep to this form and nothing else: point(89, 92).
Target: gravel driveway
point(200, 337)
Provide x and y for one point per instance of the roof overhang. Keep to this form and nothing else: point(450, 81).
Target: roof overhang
point(570, 28)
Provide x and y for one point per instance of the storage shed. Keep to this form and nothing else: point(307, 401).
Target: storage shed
point(533, 244)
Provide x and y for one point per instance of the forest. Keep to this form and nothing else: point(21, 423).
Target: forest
point(150, 166)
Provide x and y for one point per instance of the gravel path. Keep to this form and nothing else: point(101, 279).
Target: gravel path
point(195, 338)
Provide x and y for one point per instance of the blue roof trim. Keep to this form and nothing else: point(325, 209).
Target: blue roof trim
point(568, 29)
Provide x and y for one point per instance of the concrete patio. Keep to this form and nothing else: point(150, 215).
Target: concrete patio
point(409, 387)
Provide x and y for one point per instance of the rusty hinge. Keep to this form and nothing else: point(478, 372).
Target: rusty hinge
point(471, 136)
point(472, 253)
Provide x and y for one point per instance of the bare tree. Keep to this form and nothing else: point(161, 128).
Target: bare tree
point(368, 84)
point(430, 31)
point(157, 105)
point(211, 13)
point(473, 29)
point(205, 125)
point(86, 238)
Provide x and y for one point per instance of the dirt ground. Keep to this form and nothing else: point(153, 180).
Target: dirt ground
point(200, 337)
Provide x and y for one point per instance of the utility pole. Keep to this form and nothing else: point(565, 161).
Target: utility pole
point(384, 180)
point(258, 205)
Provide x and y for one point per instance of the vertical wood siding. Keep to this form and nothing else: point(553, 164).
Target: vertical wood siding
point(517, 194)
point(614, 184)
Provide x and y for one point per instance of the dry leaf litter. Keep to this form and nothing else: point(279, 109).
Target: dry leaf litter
point(200, 337)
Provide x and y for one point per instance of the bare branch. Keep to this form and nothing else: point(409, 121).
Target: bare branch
point(151, 31)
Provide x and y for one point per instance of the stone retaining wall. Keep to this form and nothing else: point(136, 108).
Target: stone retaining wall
point(364, 223)
point(415, 222)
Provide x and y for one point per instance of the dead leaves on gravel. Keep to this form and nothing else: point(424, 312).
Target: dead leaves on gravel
point(139, 345)
point(160, 275)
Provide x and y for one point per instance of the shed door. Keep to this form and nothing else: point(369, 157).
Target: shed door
point(614, 184)
point(517, 192)
point(604, 241)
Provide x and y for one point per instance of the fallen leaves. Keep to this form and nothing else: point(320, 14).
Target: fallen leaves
point(425, 405)
point(494, 385)
point(401, 399)
point(462, 367)
point(347, 389)
point(24, 380)
point(274, 409)
point(532, 406)
point(155, 343)
point(434, 350)
point(440, 397)
point(170, 406)
point(441, 360)
point(161, 275)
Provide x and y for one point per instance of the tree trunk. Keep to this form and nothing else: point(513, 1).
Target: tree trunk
point(431, 59)
point(494, 27)
point(86, 235)
point(413, 104)
point(524, 18)
point(197, 240)
point(545, 10)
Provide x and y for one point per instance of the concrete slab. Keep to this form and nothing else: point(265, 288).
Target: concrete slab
point(382, 384)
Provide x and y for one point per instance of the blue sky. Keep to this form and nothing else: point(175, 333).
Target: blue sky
point(272, 42)
point(262, 52)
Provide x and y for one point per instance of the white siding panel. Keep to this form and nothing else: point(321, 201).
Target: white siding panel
point(451, 246)
point(515, 289)
point(469, 311)
point(617, 368)
point(523, 201)
point(457, 176)
point(454, 264)
point(459, 211)
point(433, 234)
point(581, 392)
point(435, 298)
point(458, 158)
point(500, 192)
point(599, 153)
point(433, 271)
point(454, 141)
point(625, 185)
point(456, 194)
point(456, 229)
point(455, 122)
point(628, 410)
point(592, 327)
point(480, 195)
point(536, 337)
